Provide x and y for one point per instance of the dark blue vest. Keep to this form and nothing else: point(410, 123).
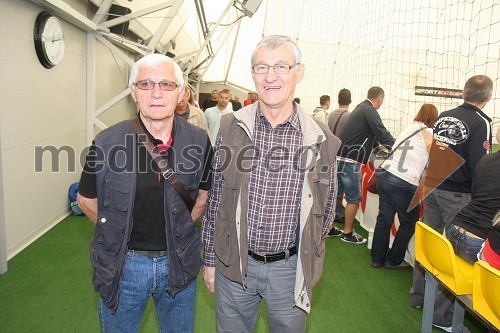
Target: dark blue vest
point(116, 185)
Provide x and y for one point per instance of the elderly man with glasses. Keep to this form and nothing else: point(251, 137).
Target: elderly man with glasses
point(145, 242)
point(272, 200)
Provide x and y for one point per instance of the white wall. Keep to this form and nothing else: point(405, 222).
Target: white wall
point(45, 107)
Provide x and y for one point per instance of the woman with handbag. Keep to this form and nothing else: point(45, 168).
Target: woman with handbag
point(397, 180)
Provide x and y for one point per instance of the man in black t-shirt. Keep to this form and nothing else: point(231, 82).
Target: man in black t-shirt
point(212, 101)
point(145, 241)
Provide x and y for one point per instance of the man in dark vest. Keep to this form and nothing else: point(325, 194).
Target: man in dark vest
point(145, 242)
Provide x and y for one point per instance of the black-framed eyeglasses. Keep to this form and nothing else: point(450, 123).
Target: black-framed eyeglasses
point(165, 85)
point(278, 68)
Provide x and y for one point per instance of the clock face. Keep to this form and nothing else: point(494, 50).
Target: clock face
point(49, 40)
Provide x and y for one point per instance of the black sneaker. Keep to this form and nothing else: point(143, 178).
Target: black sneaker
point(334, 232)
point(353, 238)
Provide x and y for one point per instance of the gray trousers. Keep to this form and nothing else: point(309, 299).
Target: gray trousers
point(237, 308)
point(440, 208)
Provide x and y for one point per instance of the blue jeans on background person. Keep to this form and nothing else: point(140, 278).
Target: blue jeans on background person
point(144, 277)
point(466, 247)
point(339, 208)
point(395, 196)
point(349, 176)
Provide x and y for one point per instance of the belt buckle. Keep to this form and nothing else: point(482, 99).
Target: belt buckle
point(265, 258)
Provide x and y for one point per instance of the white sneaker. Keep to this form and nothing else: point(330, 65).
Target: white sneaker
point(444, 328)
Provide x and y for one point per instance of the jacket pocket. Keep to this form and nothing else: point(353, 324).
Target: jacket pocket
point(104, 273)
point(110, 230)
point(223, 240)
point(116, 194)
point(188, 253)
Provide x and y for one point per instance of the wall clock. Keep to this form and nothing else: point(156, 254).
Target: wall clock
point(49, 39)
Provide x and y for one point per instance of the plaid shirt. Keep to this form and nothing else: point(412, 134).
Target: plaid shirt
point(275, 187)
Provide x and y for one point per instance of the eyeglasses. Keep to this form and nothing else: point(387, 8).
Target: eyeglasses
point(150, 85)
point(278, 68)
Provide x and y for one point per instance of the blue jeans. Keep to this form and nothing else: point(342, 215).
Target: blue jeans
point(237, 308)
point(144, 277)
point(339, 212)
point(466, 247)
point(349, 176)
point(395, 196)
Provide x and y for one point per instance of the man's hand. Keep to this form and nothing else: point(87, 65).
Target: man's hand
point(208, 275)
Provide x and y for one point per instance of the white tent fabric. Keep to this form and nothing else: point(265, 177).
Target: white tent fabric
point(354, 44)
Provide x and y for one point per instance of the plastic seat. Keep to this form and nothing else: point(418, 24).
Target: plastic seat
point(435, 254)
point(485, 295)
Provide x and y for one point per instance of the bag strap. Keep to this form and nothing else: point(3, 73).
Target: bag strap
point(399, 144)
point(337, 122)
point(162, 163)
point(394, 149)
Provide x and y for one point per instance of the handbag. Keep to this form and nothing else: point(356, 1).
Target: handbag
point(372, 182)
point(166, 171)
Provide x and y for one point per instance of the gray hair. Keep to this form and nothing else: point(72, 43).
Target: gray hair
point(478, 89)
point(153, 60)
point(273, 42)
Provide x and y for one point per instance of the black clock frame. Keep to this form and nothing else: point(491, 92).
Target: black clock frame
point(40, 22)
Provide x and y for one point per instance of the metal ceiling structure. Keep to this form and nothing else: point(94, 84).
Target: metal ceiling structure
point(179, 26)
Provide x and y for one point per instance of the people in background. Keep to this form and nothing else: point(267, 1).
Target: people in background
point(396, 187)
point(254, 97)
point(261, 207)
point(473, 223)
point(230, 104)
point(321, 112)
point(144, 234)
point(296, 100)
point(212, 101)
point(248, 100)
point(491, 249)
point(191, 100)
point(466, 130)
point(189, 112)
point(236, 103)
point(358, 137)
point(214, 114)
point(336, 121)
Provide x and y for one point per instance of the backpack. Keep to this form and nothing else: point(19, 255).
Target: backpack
point(73, 205)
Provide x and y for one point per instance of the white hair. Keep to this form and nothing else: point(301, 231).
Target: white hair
point(153, 60)
point(273, 42)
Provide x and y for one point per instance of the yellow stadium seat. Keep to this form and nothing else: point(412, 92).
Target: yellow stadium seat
point(435, 254)
point(486, 293)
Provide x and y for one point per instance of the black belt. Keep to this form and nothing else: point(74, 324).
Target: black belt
point(150, 254)
point(273, 256)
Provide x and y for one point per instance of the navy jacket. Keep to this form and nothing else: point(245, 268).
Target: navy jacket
point(360, 131)
point(115, 197)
